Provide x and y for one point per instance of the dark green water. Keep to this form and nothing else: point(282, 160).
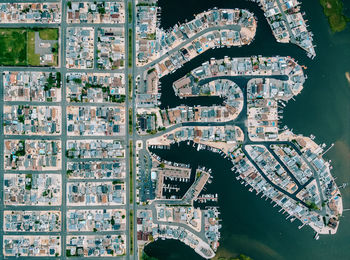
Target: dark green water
point(251, 225)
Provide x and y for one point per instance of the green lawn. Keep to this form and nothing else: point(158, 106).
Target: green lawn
point(130, 170)
point(131, 233)
point(130, 11)
point(18, 46)
point(130, 121)
point(13, 50)
point(130, 49)
point(32, 58)
point(333, 9)
point(48, 34)
point(130, 85)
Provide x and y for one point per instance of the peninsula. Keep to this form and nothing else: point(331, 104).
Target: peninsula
point(83, 117)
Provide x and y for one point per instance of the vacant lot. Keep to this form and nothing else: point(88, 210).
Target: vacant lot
point(18, 46)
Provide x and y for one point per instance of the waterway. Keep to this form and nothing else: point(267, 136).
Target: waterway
point(250, 224)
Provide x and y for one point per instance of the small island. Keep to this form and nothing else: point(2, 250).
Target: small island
point(333, 9)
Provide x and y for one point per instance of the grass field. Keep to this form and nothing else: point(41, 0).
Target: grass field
point(13, 50)
point(18, 45)
point(48, 34)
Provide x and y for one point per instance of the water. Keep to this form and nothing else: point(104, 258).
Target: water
point(251, 225)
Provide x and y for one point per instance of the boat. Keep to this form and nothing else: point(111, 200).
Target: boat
point(316, 236)
point(343, 185)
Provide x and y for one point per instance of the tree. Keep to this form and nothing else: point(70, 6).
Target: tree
point(77, 80)
point(21, 119)
point(58, 79)
point(50, 82)
point(312, 206)
point(101, 10)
